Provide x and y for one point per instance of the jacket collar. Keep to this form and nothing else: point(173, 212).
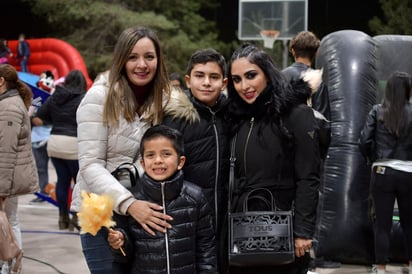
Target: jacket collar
point(172, 187)
point(9, 93)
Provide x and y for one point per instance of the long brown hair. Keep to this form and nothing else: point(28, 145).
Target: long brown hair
point(9, 73)
point(120, 98)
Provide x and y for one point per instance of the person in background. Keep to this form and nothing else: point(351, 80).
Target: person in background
point(304, 47)
point(23, 52)
point(268, 121)
point(176, 81)
point(386, 142)
point(5, 52)
point(17, 164)
point(190, 246)
point(198, 114)
point(121, 105)
point(60, 112)
point(39, 137)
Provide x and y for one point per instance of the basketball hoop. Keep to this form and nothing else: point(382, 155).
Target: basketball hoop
point(269, 37)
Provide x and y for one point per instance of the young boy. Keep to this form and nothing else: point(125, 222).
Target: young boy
point(198, 114)
point(189, 246)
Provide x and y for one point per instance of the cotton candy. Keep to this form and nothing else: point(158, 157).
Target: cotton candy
point(96, 211)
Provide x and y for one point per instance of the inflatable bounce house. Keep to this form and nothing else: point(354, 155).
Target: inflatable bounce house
point(355, 68)
point(51, 54)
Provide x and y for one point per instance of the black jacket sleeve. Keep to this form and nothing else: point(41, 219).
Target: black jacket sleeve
point(367, 139)
point(303, 126)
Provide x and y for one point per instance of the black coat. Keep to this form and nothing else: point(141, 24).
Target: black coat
point(289, 167)
point(320, 99)
point(189, 244)
point(60, 111)
point(377, 143)
point(320, 103)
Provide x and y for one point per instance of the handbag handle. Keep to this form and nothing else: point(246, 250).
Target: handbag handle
point(259, 197)
point(130, 168)
point(231, 171)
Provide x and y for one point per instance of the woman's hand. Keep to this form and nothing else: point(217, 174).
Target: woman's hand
point(302, 246)
point(115, 239)
point(148, 215)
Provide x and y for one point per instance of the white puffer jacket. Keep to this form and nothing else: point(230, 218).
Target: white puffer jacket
point(102, 148)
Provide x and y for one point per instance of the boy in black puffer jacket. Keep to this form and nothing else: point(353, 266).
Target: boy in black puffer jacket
point(198, 114)
point(189, 246)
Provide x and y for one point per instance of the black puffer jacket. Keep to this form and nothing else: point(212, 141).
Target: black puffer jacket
point(189, 246)
point(377, 143)
point(206, 141)
point(60, 110)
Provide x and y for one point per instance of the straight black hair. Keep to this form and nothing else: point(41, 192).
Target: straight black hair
point(164, 131)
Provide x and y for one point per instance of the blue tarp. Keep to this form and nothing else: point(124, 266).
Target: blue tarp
point(39, 95)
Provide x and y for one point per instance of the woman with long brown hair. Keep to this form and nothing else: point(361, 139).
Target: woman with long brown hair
point(18, 173)
point(120, 106)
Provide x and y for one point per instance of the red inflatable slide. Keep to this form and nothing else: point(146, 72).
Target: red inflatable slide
point(51, 54)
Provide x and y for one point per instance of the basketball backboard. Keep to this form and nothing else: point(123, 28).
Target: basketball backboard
point(287, 16)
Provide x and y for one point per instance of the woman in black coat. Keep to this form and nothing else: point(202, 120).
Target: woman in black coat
point(276, 147)
point(386, 141)
point(59, 111)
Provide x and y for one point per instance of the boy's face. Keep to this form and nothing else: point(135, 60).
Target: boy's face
point(160, 159)
point(206, 82)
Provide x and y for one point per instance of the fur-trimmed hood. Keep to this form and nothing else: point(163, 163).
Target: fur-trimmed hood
point(179, 106)
point(313, 77)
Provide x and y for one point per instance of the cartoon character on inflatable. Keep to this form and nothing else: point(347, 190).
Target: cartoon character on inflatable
point(46, 81)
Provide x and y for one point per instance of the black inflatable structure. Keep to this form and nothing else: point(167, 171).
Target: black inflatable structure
point(355, 68)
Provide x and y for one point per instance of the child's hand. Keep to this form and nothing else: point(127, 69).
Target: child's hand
point(115, 239)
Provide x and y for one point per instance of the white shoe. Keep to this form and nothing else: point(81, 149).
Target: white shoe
point(311, 272)
point(375, 270)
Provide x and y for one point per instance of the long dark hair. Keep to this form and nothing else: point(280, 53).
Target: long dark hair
point(395, 101)
point(75, 81)
point(281, 97)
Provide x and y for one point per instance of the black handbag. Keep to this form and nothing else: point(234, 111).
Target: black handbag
point(259, 238)
point(128, 175)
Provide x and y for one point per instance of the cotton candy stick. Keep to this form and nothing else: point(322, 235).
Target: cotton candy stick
point(96, 211)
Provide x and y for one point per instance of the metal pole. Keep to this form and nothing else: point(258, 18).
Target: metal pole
point(285, 53)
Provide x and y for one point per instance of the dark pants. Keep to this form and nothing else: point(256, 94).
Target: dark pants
point(99, 256)
point(66, 170)
point(23, 64)
point(387, 186)
point(42, 162)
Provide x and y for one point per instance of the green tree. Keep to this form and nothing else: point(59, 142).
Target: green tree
point(397, 18)
point(92, 26)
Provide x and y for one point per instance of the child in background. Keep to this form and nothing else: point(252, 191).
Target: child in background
point(198, 114)
point(5, 52)
point(40, 135)
point(189, 246)
point(176, 81)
